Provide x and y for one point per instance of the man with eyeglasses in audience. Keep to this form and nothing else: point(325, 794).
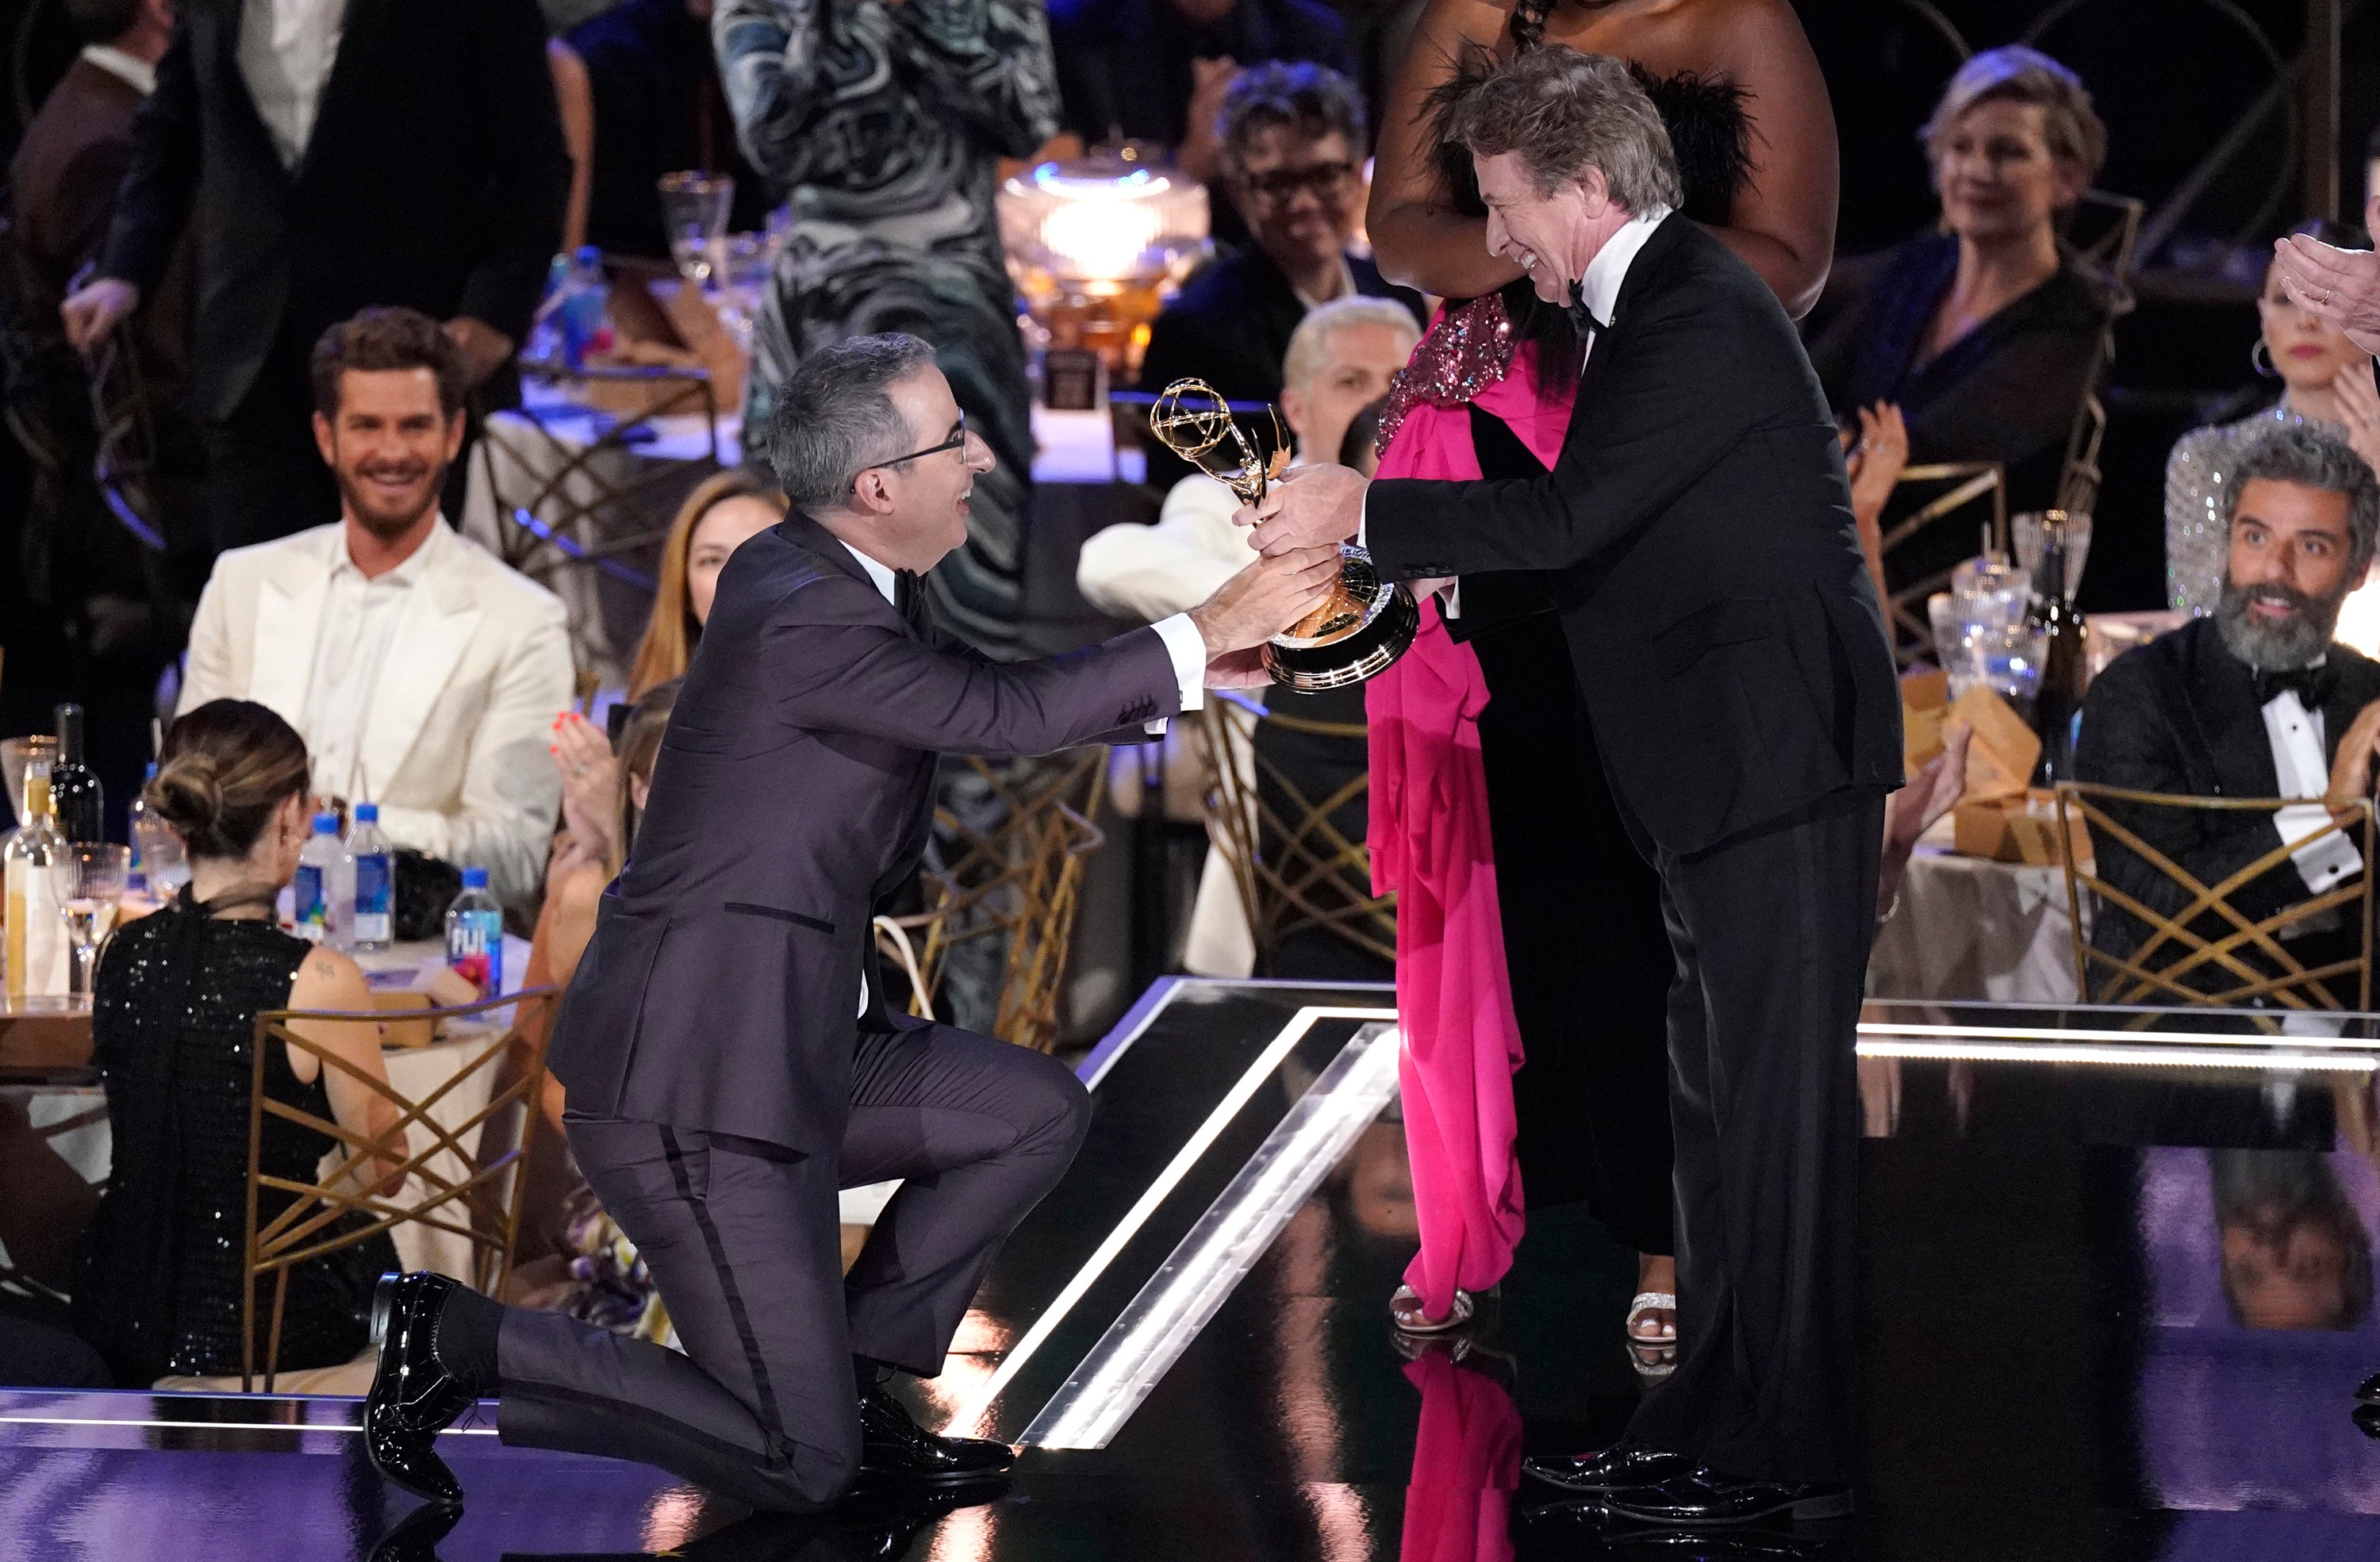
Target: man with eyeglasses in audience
point(1292, 138)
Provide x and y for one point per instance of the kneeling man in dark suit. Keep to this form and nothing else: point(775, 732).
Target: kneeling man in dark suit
point(722, 1087)
point(2256, 701)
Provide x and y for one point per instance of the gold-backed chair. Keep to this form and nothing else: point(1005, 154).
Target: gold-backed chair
point(2240, 959)
point(1945, 494)
point(1295, 870)
point(1016, 881)
point(461, 1179)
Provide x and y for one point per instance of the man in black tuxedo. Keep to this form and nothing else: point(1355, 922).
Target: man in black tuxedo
point(353, 153)
point(721, 1086)
point(2256, 701)
point(1697, 534)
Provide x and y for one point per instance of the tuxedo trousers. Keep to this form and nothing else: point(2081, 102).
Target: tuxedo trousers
point(743, 1240)
point(1771, 931)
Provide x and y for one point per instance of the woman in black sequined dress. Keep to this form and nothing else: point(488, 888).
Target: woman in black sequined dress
point(173, 1019)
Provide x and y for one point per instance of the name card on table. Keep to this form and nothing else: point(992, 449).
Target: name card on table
point(2001, 755)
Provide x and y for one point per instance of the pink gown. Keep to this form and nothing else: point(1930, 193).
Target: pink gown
point(1431, 841)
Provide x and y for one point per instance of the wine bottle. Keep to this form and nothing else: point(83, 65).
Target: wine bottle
point(74, 790)
point(39, 958)
point(2065, 659)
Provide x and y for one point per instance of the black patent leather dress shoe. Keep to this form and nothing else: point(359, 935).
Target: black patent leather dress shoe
point(1706, 1496)
point(2368, 1391)
point(882, 1524)
point(413, 1396)
point(892, 1445)
point(1625, 1463)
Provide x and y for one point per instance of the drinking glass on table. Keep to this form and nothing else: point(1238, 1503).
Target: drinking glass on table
point(693, 214)
point(88, 881)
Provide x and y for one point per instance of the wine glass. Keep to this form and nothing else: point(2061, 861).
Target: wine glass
point(163, 862)
point(694, 214)
point(89, 880)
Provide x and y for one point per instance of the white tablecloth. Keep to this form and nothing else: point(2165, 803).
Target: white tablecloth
point(1968, 928)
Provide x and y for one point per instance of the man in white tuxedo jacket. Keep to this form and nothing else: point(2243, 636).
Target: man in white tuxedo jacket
point(423, 672)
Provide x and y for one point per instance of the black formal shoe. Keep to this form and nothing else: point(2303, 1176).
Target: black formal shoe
point(413, 1396)
point(1706, 1496)
point(417, 1535)
point(2368, 1391)
point(1625, 1463)
point(892, 1445)
point(882, 1524)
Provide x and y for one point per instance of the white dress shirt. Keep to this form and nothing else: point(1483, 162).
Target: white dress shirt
point(137, 74)
point(1600, 291)
point(1183, 643)
point(2295, 734)
point(349, 662)
point(286, 50)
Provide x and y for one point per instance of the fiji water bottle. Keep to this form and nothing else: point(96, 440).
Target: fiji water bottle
point(475, 935)
point(142, 827)
point(371, 880)
point(317, 863)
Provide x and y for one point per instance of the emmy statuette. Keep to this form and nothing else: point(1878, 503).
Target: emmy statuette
point(1366, 624)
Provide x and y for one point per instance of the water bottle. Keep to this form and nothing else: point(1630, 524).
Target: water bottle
point(143, 829)
point(370, 881)
point(582, 311)
point(475, 935)
point(317, 861)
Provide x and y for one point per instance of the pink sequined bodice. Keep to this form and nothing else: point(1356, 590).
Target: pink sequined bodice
point(1469, 347)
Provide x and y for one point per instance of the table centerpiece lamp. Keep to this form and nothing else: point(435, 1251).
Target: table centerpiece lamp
point(1094, 245)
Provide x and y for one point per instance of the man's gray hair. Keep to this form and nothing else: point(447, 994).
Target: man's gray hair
point(2313, 457)
point(1564, 113)
point(834, 418)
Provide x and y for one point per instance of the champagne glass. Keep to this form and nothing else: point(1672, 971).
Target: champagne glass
point(89, 880)
point(694, 214)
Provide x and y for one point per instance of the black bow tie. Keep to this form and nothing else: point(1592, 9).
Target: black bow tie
point(908, 600)
point(2312, 685)
point(1582, 318)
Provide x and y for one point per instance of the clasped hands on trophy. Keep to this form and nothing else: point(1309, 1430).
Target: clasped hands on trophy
point(1364, 624)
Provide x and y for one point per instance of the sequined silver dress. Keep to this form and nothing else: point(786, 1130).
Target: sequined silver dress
point(2197, 541)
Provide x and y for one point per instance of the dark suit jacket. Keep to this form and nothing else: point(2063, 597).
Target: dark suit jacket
point(1729, 645)
point(792, 796)
point(1230, 326)
point(2180, 715)
point(436, 178)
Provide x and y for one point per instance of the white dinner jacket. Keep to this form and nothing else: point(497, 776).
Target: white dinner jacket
point(476, 670)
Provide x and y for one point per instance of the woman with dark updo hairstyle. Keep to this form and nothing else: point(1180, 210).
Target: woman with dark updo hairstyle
point(173, 1021)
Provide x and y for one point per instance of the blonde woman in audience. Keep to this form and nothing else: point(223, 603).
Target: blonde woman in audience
point(173, 1028)
point(716, 517)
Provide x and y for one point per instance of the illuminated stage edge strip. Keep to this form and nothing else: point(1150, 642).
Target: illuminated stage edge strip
point(971, 1414)
point(1208, 1264)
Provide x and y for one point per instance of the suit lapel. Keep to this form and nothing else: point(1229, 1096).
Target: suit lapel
point(288, 626)
point(440, 616)
point(356, 53)
point(2223, 701)
point(828, 551)
point(1643, 274)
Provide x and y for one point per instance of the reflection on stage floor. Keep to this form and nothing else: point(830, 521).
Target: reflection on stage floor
point(2117, 1288)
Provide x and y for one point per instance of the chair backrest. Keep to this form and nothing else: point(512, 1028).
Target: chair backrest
point(1295, 870)
point(460, 1178)
point(1014, 880)
point(1949, 494)
point(2209, 952)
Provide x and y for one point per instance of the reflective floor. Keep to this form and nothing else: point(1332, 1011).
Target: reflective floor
point(2113, 1309)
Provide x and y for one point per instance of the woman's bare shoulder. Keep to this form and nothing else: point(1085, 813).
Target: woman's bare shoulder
point(329, 979)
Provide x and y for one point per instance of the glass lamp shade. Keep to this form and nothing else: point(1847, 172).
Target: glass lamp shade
point(1095, 244)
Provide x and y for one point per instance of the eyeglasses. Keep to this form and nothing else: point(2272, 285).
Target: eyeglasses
point(1320, 179)
point(957, 442)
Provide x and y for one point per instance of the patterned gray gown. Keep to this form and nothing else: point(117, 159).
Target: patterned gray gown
point(885, 124)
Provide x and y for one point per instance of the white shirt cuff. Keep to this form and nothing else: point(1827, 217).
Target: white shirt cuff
point(1188, 650)
point(2323, 864)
